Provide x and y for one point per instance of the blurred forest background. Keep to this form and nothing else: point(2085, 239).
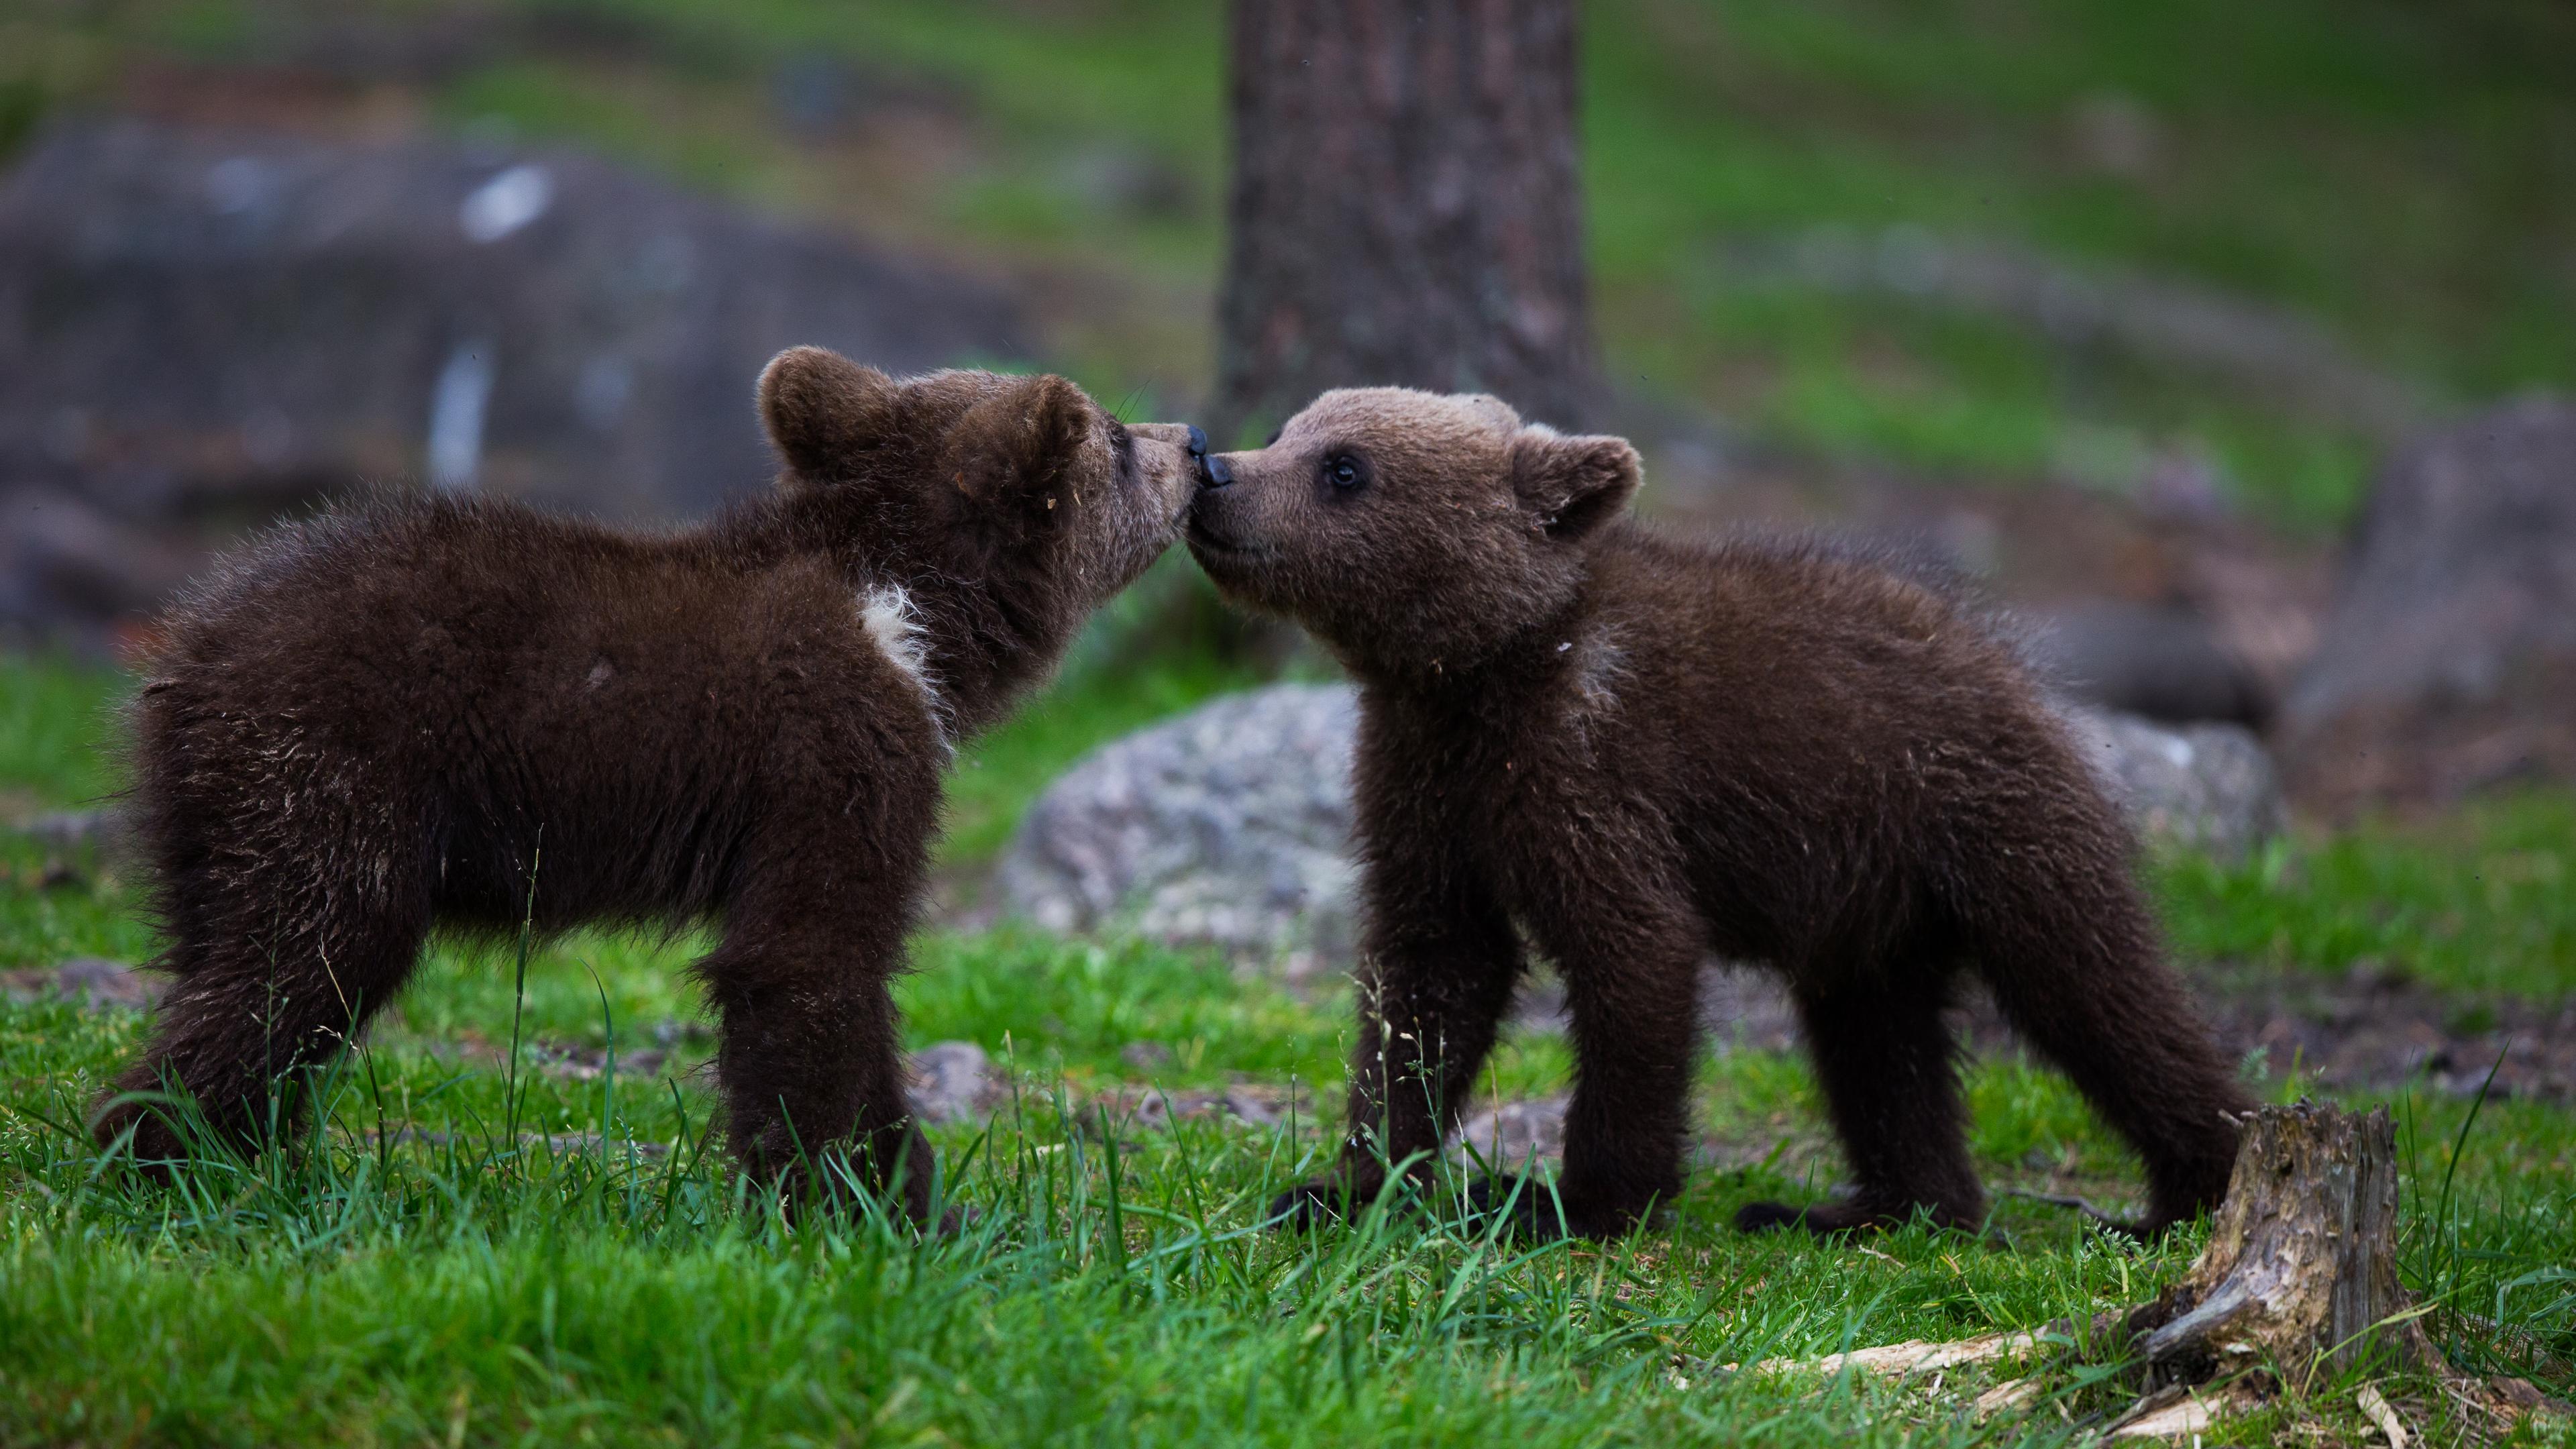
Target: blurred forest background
point(1787, 203)
point(2119, 308)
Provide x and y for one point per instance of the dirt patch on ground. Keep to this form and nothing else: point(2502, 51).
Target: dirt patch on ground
point(2363, 1031)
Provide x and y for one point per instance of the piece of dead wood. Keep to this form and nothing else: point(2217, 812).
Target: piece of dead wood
point(1915, 1357)
point(2008, 1395)
point(2375, 1407)
point(2505, 1401)
point(2180, 1410)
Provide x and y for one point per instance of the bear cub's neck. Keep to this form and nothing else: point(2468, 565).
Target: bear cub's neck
point(1519, 672)
point(980, 642)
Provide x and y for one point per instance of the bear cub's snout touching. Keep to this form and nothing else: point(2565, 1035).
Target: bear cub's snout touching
point(452, 712)
point(1632, 753)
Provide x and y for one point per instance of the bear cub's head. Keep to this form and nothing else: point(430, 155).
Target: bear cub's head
point(1001, 485)
point(1409, 530)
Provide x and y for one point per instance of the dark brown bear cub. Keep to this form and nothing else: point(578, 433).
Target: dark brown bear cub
point(436, 713)
point(1634, 752)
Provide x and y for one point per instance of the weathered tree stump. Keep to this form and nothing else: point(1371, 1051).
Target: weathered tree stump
point(2300, 1274)
point(2301, 1267)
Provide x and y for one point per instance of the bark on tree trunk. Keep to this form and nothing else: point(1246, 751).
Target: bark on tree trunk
point(1405, 207)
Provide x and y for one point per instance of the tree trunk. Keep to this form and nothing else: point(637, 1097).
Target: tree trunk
point(1405, 208)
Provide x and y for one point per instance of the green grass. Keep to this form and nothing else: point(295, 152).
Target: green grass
point(2482, 904)
point(54, 718)
point(481, 1291)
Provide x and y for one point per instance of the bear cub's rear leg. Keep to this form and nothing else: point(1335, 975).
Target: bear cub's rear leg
point(268, 984)
point(2083, 987)
point(1889, 1071)
point(2098, 1003)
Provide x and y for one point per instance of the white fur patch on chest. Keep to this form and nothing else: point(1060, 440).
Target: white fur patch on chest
point(1598, 672)
point(1600, 668)
point(894, 626)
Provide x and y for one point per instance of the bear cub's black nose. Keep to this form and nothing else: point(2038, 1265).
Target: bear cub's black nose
point(1212, 471)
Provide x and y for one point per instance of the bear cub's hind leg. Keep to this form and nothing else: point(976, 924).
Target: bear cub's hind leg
point(271, 978)
point(1888, 1067)
point(2094, 998)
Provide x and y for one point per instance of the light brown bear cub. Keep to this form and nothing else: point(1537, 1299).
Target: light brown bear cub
point(439, 713)
point(1635, 752)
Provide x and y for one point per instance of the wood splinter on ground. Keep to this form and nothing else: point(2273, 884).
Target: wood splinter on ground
point(2300, 1276)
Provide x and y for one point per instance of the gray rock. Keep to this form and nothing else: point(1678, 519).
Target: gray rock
point(1510, 1136)
point(2164, 664)
point(954, 1081)
point(200, 327)
point(92, 981)
point(1246, 1103)
point(105, 830)
point(2207, 787)
point(1254, 1104)
point(1146, 1056)
point(571, 1063)
point(2449, 659)
point(69, 566)
point(1745, 1008)
point(1230, 826)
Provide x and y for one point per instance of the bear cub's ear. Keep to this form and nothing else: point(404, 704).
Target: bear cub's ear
point(824, 412)
point(1572, 484)
point(1020, 440)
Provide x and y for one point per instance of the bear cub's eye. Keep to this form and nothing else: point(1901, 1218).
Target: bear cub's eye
point(1345, 471)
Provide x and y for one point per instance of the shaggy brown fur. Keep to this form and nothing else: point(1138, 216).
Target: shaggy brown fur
point(443, 713)
point(1633, 752)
